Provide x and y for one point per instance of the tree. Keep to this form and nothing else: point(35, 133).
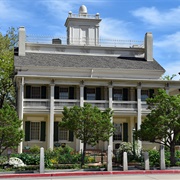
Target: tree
point(7, 90)
point(10, 133)
point(88, 123)
point(162, 125)
point(168, 77)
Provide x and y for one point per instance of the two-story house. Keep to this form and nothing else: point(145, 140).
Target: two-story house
point(52, 75)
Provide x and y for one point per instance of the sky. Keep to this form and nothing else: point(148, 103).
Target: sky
point(121, 19)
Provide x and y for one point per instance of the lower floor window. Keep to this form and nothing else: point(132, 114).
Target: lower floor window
point(35, 130)
point(63, 134)
point(118, 132)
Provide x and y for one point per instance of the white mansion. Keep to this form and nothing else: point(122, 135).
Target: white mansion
point(50, 76)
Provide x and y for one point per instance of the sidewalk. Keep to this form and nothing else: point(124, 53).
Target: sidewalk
point(87, 173)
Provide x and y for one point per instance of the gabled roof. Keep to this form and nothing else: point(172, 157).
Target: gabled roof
point(85, 61)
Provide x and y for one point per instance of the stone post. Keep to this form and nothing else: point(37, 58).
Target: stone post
point(146, 160)
point(109, 165)
point(125, 163)
point(41, 160)
point(162, 158)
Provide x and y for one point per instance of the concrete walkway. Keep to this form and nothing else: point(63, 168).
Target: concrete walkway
point(87, 173)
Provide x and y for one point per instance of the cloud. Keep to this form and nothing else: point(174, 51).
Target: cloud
point(155, 17)
point(169, 42)
point(173, 68)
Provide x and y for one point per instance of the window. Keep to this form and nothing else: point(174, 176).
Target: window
point(117, 94)
point(36, 92)
point(63, 93)
point(118, 132)
point(62, 134)
point(121, 132)
point(91, 94)
point(35, 130)
point(144, 95)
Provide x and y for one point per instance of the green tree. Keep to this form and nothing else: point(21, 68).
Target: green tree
point(10, 133)
point(168, 77)
point(7, 90)
point(162, 125)
point(88, 123)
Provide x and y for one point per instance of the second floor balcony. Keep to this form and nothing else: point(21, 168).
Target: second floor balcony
point(37, 98)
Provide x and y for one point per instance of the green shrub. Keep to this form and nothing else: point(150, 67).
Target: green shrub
point(154, 158)
point(3, 159)
point(34, 149)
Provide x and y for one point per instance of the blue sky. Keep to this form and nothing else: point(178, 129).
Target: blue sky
point(121, 19)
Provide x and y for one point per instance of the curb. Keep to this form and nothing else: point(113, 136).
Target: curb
point(90, 173)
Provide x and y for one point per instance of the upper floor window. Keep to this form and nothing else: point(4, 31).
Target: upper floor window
point(63, 92)
point(146, 93)
point(91, 94)
point(120, 94)
point(35, 92)
point(117, 94)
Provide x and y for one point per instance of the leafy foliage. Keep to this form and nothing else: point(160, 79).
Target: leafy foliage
point(89, 124)
point(162, 125)
point(7, 90)
point(10, 133)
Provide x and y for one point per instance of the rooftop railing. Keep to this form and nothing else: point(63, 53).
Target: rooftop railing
point(48, 39)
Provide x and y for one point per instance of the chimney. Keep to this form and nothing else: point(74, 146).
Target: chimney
point(56, 41)
point(22, 39)
point(148, 44)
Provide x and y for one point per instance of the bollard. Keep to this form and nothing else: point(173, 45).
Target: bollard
point(109, 166)
point(125, 163)
point(41, 160)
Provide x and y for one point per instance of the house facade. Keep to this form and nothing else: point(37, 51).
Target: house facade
point(52, 75)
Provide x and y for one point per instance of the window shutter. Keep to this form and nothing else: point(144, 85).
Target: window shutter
point(71, 136)
point(125, 94)
point(85, 93)
point(56, 131)
point(56, 92)
point(125, 132)
point(43, 92)
point(28, 91)
point(135, 94)
point(71, 92)
point(98, 93)
point(43, 131)
point(27, 130)
point(151, 93)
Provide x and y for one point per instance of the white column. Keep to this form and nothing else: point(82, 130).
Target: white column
point(20, 109)
point(81, 105)
point(51, 123)
point(139, 113)
point(110, 106)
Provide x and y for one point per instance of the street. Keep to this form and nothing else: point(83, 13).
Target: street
point(109, 177)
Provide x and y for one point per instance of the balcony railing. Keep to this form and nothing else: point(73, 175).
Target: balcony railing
point(60, 103)
point(37, 103)
point(101, 104)
point(125, 105)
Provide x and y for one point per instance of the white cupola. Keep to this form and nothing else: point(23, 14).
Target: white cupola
point(82, 28)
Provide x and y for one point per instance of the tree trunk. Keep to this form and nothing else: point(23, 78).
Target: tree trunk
point(172, 153)
point(83, 154)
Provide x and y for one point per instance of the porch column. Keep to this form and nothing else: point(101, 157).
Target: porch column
point(111, 106)
point(51, 120)
point(20, 110)
point(81, 105)
point(139, 109)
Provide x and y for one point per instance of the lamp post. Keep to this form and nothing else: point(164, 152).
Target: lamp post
point(134, 152)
